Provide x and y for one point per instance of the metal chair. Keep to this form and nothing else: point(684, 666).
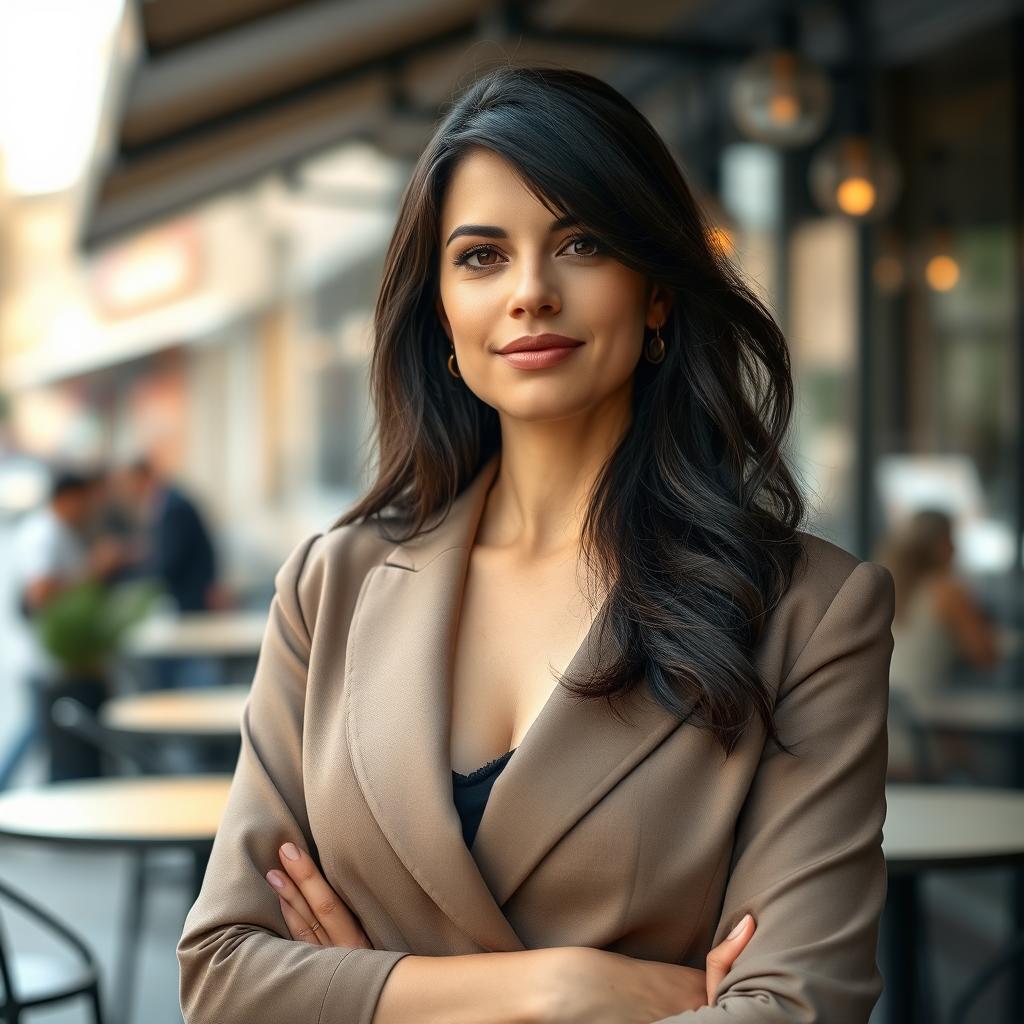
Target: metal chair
point(1012, 956)
point(901, 715)
point(31, 980)
point(74, 717)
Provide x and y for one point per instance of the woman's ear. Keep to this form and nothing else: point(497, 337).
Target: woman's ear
point(443, 317)
point(659, 305)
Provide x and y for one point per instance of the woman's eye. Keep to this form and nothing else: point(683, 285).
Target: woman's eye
point(463, 259)
point(584, 241)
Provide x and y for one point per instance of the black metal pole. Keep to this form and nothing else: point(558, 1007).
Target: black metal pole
point(863, 489)
point(1016, 993)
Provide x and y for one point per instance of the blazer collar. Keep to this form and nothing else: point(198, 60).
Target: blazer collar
point(457, 530)
point(397, 687)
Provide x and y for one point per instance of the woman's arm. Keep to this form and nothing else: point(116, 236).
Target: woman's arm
point(237, 961)
point(478, 988)
point(974, 633)
point(807, 860)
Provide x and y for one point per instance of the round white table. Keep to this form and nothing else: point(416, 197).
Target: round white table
point(937, 827)
point(230, 634)
point(952, 826)
point(136, 814)
point(212, 712)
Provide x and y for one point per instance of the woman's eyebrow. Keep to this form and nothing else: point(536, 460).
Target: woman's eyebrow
point(489, 231)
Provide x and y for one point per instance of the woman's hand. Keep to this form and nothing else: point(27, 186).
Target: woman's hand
point(312, 910)
point(595, 986)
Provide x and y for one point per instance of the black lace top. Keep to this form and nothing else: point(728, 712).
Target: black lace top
point(470, 793)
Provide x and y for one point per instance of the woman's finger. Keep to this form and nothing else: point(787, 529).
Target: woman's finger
point(327, 906)
point(291, 897)
point(721, 958)
point(297, 928)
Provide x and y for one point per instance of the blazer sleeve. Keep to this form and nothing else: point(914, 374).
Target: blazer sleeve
point(237, 961)
point(807, 860)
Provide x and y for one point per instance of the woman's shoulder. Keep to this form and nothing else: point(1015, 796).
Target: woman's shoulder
point(821, 568)
point(825, 567)
point(331, 562)
point(822, 573)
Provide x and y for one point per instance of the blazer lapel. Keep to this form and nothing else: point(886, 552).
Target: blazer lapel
point(397, 688)
point(574, 753)
point(397, 676)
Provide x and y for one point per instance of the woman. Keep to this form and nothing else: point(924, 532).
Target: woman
point(712, 754)
point(938, 630)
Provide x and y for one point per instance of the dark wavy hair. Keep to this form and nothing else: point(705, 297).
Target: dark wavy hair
point(692, 523)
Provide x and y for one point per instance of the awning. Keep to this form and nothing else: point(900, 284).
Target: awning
point(228, 90)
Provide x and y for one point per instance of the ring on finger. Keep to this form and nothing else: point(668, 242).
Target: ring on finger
point(313, 928)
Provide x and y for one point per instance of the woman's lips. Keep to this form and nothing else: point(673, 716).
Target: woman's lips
point(539, 358)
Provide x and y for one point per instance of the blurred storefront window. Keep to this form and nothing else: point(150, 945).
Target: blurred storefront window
point(946, 396)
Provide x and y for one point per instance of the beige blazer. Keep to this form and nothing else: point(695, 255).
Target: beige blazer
point(633, 836)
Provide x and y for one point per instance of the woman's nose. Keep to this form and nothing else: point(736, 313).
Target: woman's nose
point(534, 292)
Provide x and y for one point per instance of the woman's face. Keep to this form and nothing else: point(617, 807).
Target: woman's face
point(525, 274)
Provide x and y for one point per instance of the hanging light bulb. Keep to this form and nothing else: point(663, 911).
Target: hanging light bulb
point(780, 99)
point(856, 177)
point(942, 269)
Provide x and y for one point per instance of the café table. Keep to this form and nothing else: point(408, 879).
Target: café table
point(989, 716)
point(181, 730)
point(227, 634)
point(134, 814)
point(931, 828)
point(215, 712)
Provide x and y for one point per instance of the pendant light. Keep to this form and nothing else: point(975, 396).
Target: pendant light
point(941, 268)
point(780, 99)
point(855, 176)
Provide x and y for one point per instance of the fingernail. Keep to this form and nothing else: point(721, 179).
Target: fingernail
point(275, 879)
point(290, 851)
point(739, 927)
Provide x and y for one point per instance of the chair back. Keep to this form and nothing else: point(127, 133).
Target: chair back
point(74, 717)
point(50, 923)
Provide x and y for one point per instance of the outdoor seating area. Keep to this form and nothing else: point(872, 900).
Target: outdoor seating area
point(238, 300)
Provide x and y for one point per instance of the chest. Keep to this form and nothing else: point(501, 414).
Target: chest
point(516, 629)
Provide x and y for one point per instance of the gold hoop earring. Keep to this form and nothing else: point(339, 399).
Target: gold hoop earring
point(452, 363)
point(655, 353)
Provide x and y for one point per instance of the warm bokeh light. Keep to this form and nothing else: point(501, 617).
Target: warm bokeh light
point(721, 238)
point(855, 176)
point(784, 108)
point(942, 273)
point(855, 196)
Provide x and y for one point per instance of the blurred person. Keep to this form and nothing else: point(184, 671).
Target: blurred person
point(115, 517)
point(51, 554)
point(939, 627)
point(178, 550)
point(582, 415)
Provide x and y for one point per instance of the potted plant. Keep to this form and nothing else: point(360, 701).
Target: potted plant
point(82, 629)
